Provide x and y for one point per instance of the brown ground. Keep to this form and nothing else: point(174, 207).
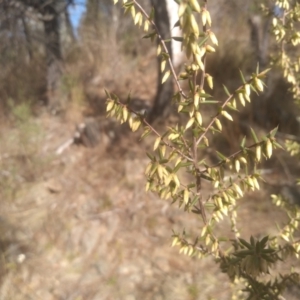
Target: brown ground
point(80, 226)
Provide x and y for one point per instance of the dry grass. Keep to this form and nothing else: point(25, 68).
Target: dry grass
point(95, 235)
point(87, 230)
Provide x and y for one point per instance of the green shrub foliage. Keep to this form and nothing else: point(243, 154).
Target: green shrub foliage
point(176, 151)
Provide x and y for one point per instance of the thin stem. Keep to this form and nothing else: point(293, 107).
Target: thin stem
point(218, 114)
point(166, 143)
point(143, 119)
point(233, 156)
point(195, 142)
point(204, 57)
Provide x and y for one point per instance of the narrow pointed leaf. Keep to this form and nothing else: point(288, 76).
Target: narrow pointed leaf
point(166, 76)
point(254, 135)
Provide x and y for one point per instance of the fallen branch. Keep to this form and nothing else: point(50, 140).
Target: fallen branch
point(64, 146)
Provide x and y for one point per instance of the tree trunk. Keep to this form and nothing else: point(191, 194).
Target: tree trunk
point(259, 37)
point(53, 54)
point(69, 27)
point(28, 38)
point(162, 102)
point(92, 12)
point(50, 17)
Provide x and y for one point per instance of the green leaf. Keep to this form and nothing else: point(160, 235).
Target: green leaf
point(191, 85)
point(226, 115)
point(163, 161)
point(185, 164)
point(128, 4)
point(245, 243)
point(205, 95)
point(146, 132)
point(254, 135)
point(263, 73)
point(273, 132)
point(226, 90)
point(213, 129)
point(165, 55)
point(277, 145)
point(177, 38)
point(107, 93)
point(231, 107)
point(221, 172)
point(156, 143)
point(182, 165)
point(152, 158)
point(264, 241)
point(128, 100)
point(110, 105)
point(210, 102)
point(254, 89)
point(166, 76)
point(243, 142)
point(268, 258)
point(206, 177)
point(150, 35)
point(221, 156)
point(177, 97)
point(203, 41)
point(242, 76)
point(190, 123)
point(191, 185)
point(257, 68)
point(257, 248)
point(151, 17)
point(268, 251)
point(177, 24)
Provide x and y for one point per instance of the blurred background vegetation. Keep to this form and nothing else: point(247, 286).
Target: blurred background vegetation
point(68, 221)
point(67, 51)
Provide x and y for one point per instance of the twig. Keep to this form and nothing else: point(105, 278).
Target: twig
point(64, 146)
point(195, 143)
point(143, 119)
point(213, 120)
